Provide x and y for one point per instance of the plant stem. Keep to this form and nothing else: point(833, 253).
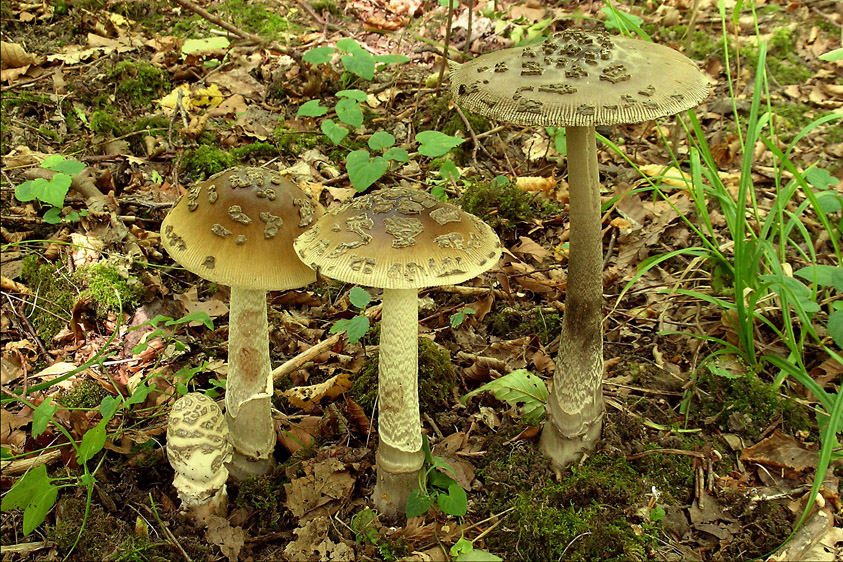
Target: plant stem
point(576, 400)
point(249, 389)
point(400, 455)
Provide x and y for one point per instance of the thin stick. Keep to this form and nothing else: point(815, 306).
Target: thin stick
point(19, 466)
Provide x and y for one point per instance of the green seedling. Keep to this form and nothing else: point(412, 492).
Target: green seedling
point(459, 317)
point(53, 191)
point(518, 387)
point(435, 486)
point(355, 328)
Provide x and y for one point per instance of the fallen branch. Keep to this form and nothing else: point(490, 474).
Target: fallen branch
point(19, 466)
point(217, 21)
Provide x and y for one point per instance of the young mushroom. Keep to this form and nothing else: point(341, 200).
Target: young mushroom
point(198, 447)
point(579, 80)
point(237, 228)
point(399, 240)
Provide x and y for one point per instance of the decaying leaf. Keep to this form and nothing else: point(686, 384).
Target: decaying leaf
point(230, 539)
point(313, 544)
point(323, 489)
point(305, 397)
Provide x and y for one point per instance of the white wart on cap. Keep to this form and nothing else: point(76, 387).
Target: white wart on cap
point(579, 78)
point(237, 228)
point(399, 238)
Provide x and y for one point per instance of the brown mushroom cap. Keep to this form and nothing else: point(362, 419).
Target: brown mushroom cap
point(237, 228)
point(579, 78)
point(399, 238)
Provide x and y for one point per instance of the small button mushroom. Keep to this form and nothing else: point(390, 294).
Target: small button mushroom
point(399, 240)
point(237, 228)
point(579, 80)
point(198, 447)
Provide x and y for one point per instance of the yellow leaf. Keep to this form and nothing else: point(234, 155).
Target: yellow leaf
point(306, 397)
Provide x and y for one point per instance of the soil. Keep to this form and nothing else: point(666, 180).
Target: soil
point(667, 482)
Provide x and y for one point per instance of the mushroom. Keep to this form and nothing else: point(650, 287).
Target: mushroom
point(579, 80)
point(198, 446)
point(237, 228)
point(399, 240)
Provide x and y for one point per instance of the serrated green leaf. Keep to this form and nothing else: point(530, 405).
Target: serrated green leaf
point(417, 504)
point(435, 144)
point(41, 416)
point(357, 328)
point(455, 502)
point(353, 94)
point(396, 154)
point(835, 327)
point(92, 442)
point(311, 109)
point(518, 387)
point(381, 140)
point(359, 297)
point(318, 55)
point(333, 131)
point(363, 171)
point(348, 111)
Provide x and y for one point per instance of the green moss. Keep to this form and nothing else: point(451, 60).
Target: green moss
point(138, 82)
point(292, 142)
point(85, 394)
point(206, 161)
point(104, 122)
point(255, 150)
point(502, 205)
point(436, 378)
point(152, 123)
point(782, 60)
point(746, 404)
point(110, 291)
point(265, 495)
point(57, 297)
point(256, 18)
point(455, 124)
point(329, 6)
point(672, 475)
point(577, 518)
point(100, 536)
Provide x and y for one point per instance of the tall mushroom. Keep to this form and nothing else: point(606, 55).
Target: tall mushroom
point(237, 228)
point(399, 240)
point(579, 80)
point(198, 446)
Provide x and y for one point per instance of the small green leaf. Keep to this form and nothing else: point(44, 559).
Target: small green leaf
point(820, 178)
point(53, 215)
point(348, 111)
point(835, 327)
point(449, 171)
point(359, 297)
point(58, 163)
point(361, 63)
point(333, 131)
point(207, 44)
point(831, 56)
point(396, 154)
point(41, 416)
point(435, 144)
point(139, 395)
point(657, 513)
point(391, 58)
point(454, 502)
point(24, 191)
point(417, 504)
point(199, 316)
point(318, 55)
point(615, 19)
point(478, 555)
point(53, 191)
point(439, 192)
point(92, 442)
point(311, 109)
point(109, 406)
point(357, 328)
point(519, 386)
point(354, 94)
point(35, 494)
point(837, 279)
point(822, 273)
point(363, 171)
point(349, 45)
point(381, 140)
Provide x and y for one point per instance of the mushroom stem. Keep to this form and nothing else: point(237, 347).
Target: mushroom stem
point(249, 389)
point(576, 401)
point(400, 455)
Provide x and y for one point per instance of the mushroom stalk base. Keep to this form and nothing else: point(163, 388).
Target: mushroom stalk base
point(576, 400)
point(399, 456)
point(248, 409)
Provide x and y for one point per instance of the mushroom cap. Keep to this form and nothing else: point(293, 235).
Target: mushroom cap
point(198, 446)
point(579, 78)
point(399, 238)
point(237, 228)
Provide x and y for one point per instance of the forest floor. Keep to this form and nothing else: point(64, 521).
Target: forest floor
point(694, 464)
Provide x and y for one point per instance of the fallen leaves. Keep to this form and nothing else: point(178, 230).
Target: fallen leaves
point(324, 488)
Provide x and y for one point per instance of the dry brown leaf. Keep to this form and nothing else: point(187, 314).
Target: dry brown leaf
point(297, 436)
point(531, 183)
point(781, 451)
point(529, 247)
point(212, 307)
point(323, 489)
point(230, 539)
point(13, 55)
point(306, 397)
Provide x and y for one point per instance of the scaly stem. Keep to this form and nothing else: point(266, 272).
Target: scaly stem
point(249, 389)
point(400, 455)
point(576, 401)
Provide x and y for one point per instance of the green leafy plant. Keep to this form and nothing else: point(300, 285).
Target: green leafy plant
point(459, 317)
point(463, 551)
point(365, 166)
point(518, 387)
point(53, 191)
point(435, 486)
point(357, 326)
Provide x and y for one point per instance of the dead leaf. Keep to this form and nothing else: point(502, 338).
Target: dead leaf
point(212, 307)
point(313, 544)
point(781, 451)
point(229, 539)
point(297, 436)
point(13, 55)
point(323, 489)
point(306, 397)
point(528, 247)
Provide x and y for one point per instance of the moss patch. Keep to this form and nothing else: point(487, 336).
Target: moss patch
point(206, 161)
point(502, 205)
point(138, 82)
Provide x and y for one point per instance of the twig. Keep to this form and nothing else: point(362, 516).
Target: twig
point(477, 143)
point(27, 547)
point(19, 466)
point(217, 21)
